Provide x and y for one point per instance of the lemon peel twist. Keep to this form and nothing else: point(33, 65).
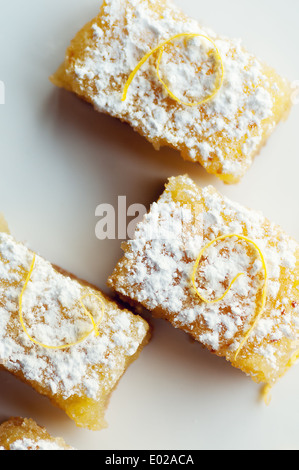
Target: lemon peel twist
point(160, 48)
point(264, 290)
point(266, 394)
point(63, 346)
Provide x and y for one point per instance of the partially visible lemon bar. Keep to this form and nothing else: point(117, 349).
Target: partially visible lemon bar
point(26, 434)
point(202, 262)
point(223, 133)
point(62, 336)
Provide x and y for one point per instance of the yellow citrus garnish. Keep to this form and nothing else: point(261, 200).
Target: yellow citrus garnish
point(264, 291)
point(266, 394)
point(160, 48)
point(63, 346)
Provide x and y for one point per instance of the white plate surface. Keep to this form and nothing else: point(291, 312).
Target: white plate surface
point(60, 160)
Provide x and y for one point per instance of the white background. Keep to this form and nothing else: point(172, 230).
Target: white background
point(60, 159)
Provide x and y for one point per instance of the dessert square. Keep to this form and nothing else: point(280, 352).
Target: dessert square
point(219, 271)
point(197, 92)
point(63, 336)
point(26, 434)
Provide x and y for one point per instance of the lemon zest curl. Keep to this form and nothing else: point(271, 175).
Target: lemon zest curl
point(264, 290)
point(160, 48)
point(63, 346)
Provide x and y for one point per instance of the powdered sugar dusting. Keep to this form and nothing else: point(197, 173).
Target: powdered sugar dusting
point(29, 444)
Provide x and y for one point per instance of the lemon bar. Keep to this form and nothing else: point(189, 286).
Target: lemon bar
point(197, 92)
point(26, 434)
point(62, 336)
point(221, 272)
